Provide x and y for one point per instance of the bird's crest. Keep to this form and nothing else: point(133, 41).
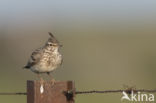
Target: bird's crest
point(52, 38)
point(51, 34)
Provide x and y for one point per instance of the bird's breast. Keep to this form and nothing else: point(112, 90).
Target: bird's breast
point(50, 61)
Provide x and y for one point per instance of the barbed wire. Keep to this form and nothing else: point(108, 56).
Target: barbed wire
point(129, 90)
point(117, 91)
point(17, 93)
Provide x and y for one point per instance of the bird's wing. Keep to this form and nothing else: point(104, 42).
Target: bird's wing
point(35, 58)
point(36, 55)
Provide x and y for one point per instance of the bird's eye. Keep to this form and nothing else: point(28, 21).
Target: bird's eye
point(50, 44)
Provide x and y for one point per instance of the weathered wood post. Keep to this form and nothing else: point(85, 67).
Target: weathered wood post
point(60, 92)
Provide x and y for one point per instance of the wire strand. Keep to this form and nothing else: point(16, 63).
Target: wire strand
point(18, 93)
point(95, 91)
point(116, 91)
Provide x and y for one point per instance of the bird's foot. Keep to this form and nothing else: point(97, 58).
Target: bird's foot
point(52, 82)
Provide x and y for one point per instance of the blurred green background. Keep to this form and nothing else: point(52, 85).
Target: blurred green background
point(106, 44)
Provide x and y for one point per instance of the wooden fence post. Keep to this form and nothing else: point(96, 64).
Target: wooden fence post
point(60, 92)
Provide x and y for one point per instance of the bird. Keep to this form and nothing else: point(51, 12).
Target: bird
point(46, 58)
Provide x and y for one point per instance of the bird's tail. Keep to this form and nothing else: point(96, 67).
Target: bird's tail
point(26, 67)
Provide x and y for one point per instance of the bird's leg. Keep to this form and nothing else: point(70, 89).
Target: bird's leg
point(52, 79)
point(41, 79)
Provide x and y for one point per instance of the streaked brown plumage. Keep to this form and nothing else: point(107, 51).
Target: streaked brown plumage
point(47, 58)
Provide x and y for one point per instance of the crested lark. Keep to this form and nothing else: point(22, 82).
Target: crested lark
point(47, 58)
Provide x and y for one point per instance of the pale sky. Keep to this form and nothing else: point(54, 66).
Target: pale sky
point(98, 14)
